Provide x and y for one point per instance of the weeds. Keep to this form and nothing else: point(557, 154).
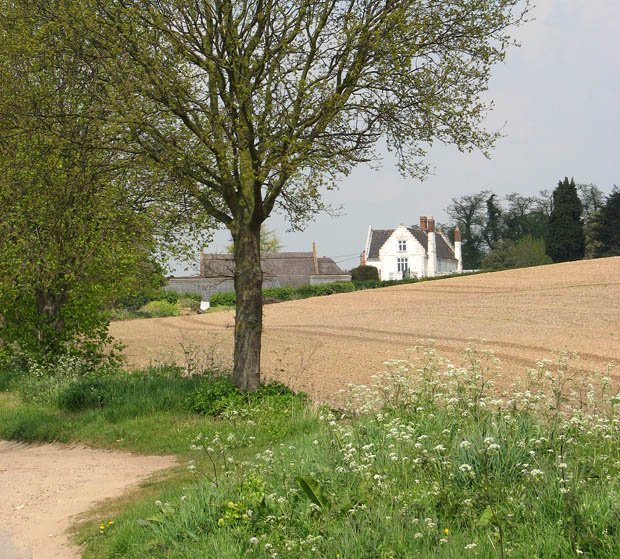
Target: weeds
point(430, 460)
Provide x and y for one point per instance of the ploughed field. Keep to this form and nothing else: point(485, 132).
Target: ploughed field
point(320, 345)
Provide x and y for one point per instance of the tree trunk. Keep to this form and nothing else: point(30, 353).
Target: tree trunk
point(249, 314)
point(50, 322)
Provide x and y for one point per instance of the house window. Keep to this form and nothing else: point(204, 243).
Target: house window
point(403, 264)
point(402, 246)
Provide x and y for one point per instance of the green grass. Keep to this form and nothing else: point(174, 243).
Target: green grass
point(429, 461)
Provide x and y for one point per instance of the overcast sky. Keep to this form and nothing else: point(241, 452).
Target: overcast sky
point(557, 101)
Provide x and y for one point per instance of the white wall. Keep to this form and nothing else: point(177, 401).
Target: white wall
point(389, 255)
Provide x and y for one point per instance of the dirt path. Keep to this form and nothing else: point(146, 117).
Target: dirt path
point(321, 344)
point(43, 486)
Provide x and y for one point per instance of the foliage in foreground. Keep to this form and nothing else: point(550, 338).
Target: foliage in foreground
point(430, 461)
point(153, 410)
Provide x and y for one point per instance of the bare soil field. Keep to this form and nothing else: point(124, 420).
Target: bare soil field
point(319, 345)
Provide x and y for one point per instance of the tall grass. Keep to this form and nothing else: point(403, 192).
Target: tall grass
point(432, 460)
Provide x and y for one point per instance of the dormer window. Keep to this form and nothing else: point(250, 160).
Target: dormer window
point(402, 246)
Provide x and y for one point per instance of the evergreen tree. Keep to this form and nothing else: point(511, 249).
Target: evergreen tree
point(565, 238)
point(493, 229)
point(609, 226)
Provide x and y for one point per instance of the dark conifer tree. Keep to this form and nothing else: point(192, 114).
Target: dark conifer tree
point(565, 238)
point(609, 226)
point(493, 229)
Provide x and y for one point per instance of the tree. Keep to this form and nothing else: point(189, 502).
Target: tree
point(525, 216)
point(76, 231)
point(493, 229)
point(269, 242)
point(497, 257)
point(608, 230)
point(527, 251)
point(565, 238)
point(469, 214)
point(261, 104)
point(592, 198)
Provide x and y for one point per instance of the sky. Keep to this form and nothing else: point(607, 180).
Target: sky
point(557, 103)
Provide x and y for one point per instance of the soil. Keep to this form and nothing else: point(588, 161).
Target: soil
point(319, 345)
point(42, 487)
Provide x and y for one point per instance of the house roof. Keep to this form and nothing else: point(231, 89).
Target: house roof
point(380, 236)
point(273, 264)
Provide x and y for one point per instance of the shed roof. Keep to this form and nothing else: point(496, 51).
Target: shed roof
point(273, 264)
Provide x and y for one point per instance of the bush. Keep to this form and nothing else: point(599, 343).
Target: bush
point(189, 303)
point(528, 251)
point(228, 299)
point(280, 293)
point(135, 302)
point(213, 398)
point(160, 309)
point(220, 395)
point(363, 273)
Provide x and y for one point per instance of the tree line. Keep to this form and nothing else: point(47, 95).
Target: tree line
point(572, 222)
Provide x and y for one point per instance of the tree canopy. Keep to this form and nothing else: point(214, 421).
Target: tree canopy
point(77, 229)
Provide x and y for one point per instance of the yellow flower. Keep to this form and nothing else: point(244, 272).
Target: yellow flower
point(111, 522)
point(101, 526)
point(446, 531)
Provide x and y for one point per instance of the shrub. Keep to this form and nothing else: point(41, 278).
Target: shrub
point(189, 303)
point(363, 273)
point(214, 397)
point(228, 299)
point(280, 293)
point(160, 309)
point(220, 395)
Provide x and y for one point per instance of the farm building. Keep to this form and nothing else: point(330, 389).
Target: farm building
point(412, 251)
point(280, 269)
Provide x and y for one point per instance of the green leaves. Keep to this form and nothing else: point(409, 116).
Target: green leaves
point(485, 518)
point(314, 492)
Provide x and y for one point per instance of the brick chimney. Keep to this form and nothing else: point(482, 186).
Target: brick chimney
point(458, 254)
point(431, 264)
point(423, 223)
point(363, 258)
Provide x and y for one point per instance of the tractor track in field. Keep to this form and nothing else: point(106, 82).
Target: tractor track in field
point(327, 342)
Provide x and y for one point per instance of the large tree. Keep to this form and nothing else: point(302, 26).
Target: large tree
point(76, 229)
point(261, 104)
point(469, 213)
point(525, 216)
point(565, 238)
point(607, 230)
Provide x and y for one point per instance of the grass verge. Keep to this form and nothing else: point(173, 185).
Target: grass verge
point(430, 461)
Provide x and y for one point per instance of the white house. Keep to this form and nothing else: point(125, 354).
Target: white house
point(412, 251)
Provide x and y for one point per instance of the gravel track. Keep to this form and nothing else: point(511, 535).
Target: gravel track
point(42, 487)
point(321, 344)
